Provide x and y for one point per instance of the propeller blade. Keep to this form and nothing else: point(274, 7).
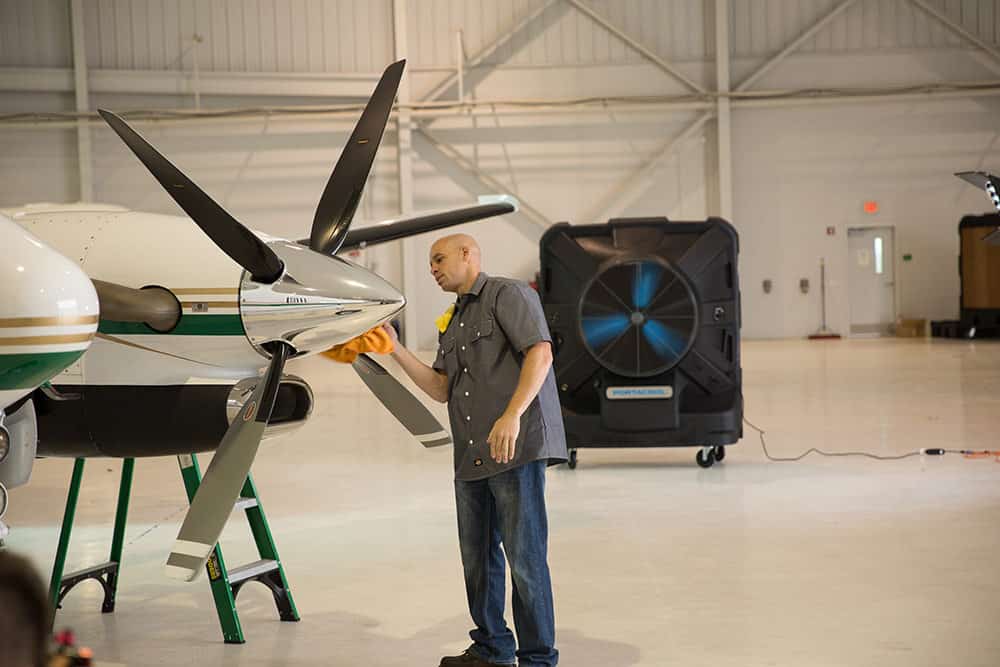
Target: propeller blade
point(392, 230)
point(234, 239)
point(410, 412)
point(343, 191)
point(220, 488)
point(980, 179)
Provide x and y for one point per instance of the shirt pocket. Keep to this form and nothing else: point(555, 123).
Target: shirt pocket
point(483, 331)
point(448, 356)
point(486, 354)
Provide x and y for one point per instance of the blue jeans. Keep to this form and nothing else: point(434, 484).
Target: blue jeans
point(508, 508)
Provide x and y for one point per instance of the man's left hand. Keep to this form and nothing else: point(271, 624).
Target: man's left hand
point(503, 437)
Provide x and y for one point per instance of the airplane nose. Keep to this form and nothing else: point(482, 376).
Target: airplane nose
point(319, 301)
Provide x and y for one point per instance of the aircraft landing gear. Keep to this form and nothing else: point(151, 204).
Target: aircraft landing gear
point(707, 456)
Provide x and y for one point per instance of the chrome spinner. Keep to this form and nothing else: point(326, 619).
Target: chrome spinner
point(318, 302)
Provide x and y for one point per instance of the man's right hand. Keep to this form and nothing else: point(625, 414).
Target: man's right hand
point(391, 331)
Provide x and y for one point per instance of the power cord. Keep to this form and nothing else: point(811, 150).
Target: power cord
point(932, 451)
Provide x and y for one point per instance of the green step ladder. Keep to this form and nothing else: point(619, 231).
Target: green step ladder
point(226, 584)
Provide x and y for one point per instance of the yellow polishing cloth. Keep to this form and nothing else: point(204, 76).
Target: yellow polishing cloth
point(377, 340)
point(444, 318)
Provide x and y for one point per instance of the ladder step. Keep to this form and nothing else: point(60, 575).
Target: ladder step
point(251, 570)
point(94, 571)
point(245, 503)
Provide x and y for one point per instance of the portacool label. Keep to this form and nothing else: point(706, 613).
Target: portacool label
point(627, 393)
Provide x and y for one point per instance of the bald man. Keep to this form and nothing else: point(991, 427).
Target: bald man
point(494, 369)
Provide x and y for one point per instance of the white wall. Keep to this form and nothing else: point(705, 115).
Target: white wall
point(800, 171)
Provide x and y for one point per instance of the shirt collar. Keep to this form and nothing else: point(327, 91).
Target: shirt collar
point(476, 288)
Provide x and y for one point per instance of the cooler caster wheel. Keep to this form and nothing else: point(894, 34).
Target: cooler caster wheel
point(720, 453)
point(705, 457)
point(572, 459)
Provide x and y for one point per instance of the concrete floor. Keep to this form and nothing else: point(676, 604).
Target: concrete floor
point(655, 561)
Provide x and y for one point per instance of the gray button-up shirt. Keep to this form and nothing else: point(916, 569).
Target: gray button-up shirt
point(481, 351)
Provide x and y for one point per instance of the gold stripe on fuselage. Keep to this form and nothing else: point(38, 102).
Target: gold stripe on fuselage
point(69, 320)
point(47, 340)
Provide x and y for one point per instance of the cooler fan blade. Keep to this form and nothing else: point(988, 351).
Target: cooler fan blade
point(600, 330)
point(663, 339)
point(646, 285)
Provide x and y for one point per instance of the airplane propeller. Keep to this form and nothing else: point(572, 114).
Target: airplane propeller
point(225, 476)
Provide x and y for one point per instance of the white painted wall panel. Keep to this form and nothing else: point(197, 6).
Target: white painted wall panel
point(799, 171)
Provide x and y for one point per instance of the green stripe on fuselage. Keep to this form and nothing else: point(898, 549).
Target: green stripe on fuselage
point(24, 371)
point(190, 325)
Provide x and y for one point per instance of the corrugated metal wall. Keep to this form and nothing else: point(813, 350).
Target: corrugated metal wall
point(356, 35)
point(237, 35)
point(35, 34)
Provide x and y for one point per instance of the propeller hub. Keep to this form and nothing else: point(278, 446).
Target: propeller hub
point(318, 302)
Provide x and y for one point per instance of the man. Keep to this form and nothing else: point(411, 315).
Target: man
point(494, 369)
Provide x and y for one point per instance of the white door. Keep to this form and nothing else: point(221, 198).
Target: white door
point(872, 280)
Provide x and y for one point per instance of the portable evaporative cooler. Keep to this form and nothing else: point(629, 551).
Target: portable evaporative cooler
point(645, 321)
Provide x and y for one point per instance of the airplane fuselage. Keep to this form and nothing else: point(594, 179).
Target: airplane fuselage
point(140, 250)
point(142, 392)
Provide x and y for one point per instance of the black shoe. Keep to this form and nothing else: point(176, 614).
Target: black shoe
point(468, 659)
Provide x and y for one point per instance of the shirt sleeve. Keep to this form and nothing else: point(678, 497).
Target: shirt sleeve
point(438, 364)
point(519, 313)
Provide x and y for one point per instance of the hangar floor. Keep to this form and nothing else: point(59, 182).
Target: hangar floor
point(655, 561)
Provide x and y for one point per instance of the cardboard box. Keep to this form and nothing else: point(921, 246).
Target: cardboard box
point(910, 328)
